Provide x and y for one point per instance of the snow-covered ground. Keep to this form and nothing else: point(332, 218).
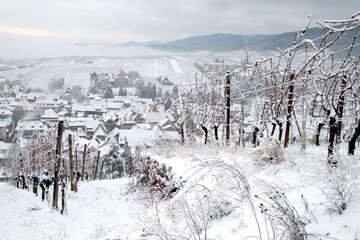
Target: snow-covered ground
point(76, 70)
point(216, 199)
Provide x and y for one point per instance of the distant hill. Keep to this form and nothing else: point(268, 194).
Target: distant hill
point(129, 44)
point(220, 42)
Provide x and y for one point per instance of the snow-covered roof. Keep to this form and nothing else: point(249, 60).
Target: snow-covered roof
point(49, 113)
point(5, 112)
point(94, 144)
point(162, 122)
point(104, 150)
point(31, 96)
point(154, 117)
point(78, 107)
point(81, 133)
point(31, 126)
point(5, 122)
point(46, 103)
point(112, 135)
point(138, 136)
point(112, 105)
point(25, 104)
point(4, 145)
point(91, 124)
point(100, 130)
point(62, 113)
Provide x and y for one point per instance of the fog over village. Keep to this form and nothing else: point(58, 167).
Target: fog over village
point(182, 120)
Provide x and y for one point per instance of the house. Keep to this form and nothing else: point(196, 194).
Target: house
point(81, 133)
point(94, 110)
point(4, 128)
point(50, 116)
point(165, 81)
point(42, 105)
point(153, 108)
point(144, 126)
point(5, 113)
point(112, 106)
point(29, 97)
point(110, 125)
point(121, 81)
point(93, 78)
point(100, 132)
point(93, 90)
point(19, 111)
point(138, 118)
point(90, 127)
point(167, 125)
point(168, 104)
point(113, 136)
point(74, 124)
point(63, 114)
point(96, 144)
point(78, 109)
point(127, 125)
point(4, 150)
point(156, 117)
point(28, 128)
point(100, 111)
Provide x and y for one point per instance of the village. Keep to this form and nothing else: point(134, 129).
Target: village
point(111, 107)
point(97, 117)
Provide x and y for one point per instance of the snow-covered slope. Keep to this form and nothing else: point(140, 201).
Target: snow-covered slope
point(223, 190)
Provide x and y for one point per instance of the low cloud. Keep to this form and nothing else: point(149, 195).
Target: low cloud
point(31, 32)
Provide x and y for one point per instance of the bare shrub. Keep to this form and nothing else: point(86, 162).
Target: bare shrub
point(283, 217)
point(340, 186)
point(186, 216)
point(34, 155)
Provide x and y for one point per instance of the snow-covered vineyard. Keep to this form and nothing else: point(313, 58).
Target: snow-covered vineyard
point(223, 193)
point(186, 147)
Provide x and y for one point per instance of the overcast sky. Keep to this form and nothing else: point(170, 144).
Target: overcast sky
point(43, 28)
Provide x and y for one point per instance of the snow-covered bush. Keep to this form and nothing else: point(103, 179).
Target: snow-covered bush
point(269, 151)
point(128, 158)
point(113, 166)
point(158, 178)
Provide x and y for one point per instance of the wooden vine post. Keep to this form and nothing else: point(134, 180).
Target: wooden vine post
point(57, 164)
point(83, 166)
point(290, 109)
point(72, 180)
point(97, 165)
point(227, 94)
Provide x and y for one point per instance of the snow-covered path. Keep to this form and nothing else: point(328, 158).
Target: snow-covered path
point(156, 69)
point(176, 66)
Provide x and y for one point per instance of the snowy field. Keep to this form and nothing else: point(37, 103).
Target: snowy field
point(76, 70)
point(216, 200)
